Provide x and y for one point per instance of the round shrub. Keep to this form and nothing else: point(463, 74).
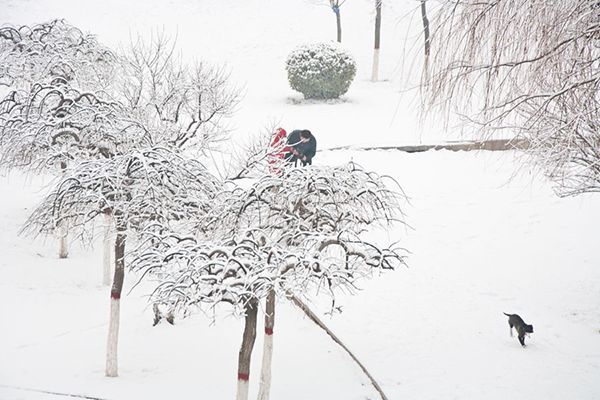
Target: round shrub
point(320, 71)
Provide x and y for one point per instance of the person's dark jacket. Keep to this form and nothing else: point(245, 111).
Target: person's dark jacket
point(292, 140)
point(294, 137)
point(307, 150)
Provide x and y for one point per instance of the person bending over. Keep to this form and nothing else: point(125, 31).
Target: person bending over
point(303, 147)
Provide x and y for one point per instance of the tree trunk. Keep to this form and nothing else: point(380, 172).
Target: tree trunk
point(108, 246)
point(322, 325)
point(338, 20)
point(375, 74)
point(265, 373)
point(246, 350)
point(63, 250)
point(425, 32)
point(115, 298)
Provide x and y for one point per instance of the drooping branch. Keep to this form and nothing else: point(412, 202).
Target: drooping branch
point(153, 184)
point(302, 306)
point(532, 70)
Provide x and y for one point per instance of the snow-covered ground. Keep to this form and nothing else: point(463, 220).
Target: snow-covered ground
point(252, 39)
point(483, 241)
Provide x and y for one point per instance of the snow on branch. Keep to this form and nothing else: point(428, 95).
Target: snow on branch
point(57, 107)
point(153, 184)
point(261, 153)
point(64, 109)
point(192, 272)
point(300, 231)
point(316, 198)
point(55, 48)
point(54, 123)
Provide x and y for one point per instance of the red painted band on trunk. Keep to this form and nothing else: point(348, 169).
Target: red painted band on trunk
point(243, 377)
point(115, 295)
point(268, 331)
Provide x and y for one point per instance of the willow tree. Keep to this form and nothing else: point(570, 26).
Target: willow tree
point(528, 68)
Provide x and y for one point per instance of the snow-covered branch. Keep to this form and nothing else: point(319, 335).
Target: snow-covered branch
point(296, 232)
point(57, 107)
point(153, 184)
point(300, 199)
point(54, 123)
point(56, 48)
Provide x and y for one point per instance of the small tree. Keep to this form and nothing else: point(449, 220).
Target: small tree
point(55, 106)
point(170, 102)
point(375, 72)
point(320, 71)
point(55, 124)
point(152, 184)
point(61, 110)
point(531, 69)
point(276, 237)
point(335, 6)
point(55, 76)
point(123, 147)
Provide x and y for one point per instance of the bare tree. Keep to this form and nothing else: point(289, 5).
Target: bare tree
point(427, 44)
point(171, 103)
point(57, 108)
point(55, 124)
point(531, 68)
point(375, 72)
point(297, 233)
point(277, 166)
point(175, 103)
point(63, 109)
point(335, 6)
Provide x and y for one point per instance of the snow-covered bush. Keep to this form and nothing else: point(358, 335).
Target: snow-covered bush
point(320, 71)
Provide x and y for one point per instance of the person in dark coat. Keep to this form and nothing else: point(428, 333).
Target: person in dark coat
point(303, 147)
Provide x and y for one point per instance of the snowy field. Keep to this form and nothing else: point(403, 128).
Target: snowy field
point(484, 240)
